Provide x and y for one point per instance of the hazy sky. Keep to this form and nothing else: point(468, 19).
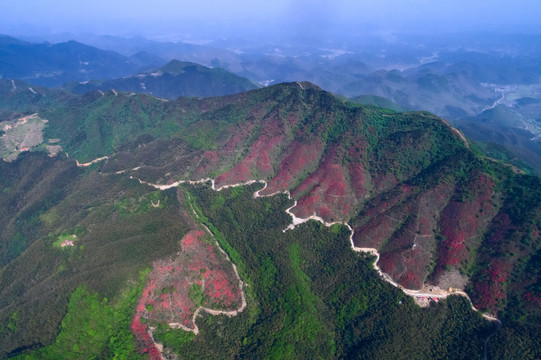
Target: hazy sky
point(215, 18)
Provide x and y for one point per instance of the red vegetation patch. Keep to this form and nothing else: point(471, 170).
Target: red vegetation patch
point(462, 221)
point(191, 239)
point(240, 134)
point(140, 331)
point(401, 226)
point(324, 193)
point(300, 158)
point(385, 202)
point(407, 266)
point(500, 226)
point(410, 280)
point(533, 299)
point(489, 285)
point(490, 290)
point(240, 173)
point(385, 217)
point(258, 160)
point(208, 162)
point(358, 178)
point(200, 273)
point(375, 232)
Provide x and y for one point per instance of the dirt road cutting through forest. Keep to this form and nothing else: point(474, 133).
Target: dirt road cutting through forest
point(439, 293)
point(434, 293)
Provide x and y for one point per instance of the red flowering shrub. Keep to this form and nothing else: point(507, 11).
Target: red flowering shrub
point(326, 189)
point(176, 288)
point(489, 291)
point(300, 158)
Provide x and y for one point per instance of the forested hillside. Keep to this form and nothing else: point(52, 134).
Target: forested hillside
point(114, 235)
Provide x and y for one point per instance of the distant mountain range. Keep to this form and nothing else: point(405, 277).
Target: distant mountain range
point(510, 128)
point(55, 64)
point(172, 80)
point(458, 84)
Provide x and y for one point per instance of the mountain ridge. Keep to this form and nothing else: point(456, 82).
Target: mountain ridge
point(407, 183)
point(174, 79)
point(49, 64)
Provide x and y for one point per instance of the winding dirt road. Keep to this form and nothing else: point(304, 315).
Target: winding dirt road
point(295, 222)
point(91, 162)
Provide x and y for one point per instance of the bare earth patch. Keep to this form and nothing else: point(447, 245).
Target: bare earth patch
point(53, 149)
point(452, 279)
point(20, 135)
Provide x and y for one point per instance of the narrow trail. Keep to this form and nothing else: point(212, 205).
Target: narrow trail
point(457, 133)
point(386, 277)
point(442, 294)
point(229, 313)
point(157, 345)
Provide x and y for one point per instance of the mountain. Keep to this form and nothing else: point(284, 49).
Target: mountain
point(456, 78)
point(114, 241)
point(507, 126)
point(448, 93)
point(174, 79)
point(55, 64)
point(207, 55)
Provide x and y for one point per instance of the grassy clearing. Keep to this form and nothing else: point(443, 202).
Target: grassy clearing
point(68, 238)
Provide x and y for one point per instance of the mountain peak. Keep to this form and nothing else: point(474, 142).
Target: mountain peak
point(177, 67)
point(306, 85)
point(8, 40)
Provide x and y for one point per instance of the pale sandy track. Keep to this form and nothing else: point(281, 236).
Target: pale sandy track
point(91, 162)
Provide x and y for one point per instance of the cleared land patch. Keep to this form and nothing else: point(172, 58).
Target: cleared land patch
point(24, 134)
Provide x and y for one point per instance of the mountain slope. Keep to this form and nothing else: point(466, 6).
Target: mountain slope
point(408, 184)
point(174, 79)
point(342, 162)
